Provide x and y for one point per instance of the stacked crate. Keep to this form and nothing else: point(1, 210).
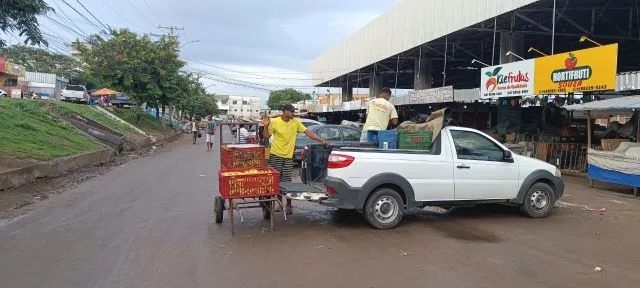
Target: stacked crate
point(243, 173)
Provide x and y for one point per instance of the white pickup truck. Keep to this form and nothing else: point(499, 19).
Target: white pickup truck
point(463, 167)
point(74, 93)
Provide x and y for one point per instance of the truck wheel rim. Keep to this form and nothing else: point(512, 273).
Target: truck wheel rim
point(539, 200)
point(386, 209)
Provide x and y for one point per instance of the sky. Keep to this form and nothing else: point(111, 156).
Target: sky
point(240, 47)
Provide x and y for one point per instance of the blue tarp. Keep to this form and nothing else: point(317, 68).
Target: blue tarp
point(615, 177)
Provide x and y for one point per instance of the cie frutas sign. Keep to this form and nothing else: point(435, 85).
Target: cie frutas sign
point(587, 70)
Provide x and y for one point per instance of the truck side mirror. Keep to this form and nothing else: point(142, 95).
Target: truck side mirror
point(507, 155)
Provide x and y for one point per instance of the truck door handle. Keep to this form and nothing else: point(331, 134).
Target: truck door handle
point(463, 166)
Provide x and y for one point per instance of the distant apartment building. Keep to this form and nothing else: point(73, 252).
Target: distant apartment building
point(239, 106)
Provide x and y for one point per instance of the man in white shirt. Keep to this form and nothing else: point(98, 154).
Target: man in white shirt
point(243, 135)
point(380, 114)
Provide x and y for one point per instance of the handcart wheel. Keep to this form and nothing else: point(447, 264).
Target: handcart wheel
point(218, 208)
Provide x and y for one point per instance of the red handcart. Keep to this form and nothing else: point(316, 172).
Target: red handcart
point(245, 182)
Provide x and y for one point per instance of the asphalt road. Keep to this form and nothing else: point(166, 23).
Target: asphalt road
point(149, 223)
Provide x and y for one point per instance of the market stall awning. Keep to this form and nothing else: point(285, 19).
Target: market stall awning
point(615, 106)
point(104, 92)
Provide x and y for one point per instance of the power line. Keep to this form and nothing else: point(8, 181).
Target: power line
point(247, 73)
point(94, 16)
point(119, 15)
point(258, 77)
point(140, 13)
point(67, 19)
point(66, 27)
point(82, 15)
point(152, 11)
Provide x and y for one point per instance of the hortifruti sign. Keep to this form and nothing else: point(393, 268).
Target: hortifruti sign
point(592, 69)
point(585, 70)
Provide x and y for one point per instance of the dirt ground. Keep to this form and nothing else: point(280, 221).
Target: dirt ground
point(149, 223)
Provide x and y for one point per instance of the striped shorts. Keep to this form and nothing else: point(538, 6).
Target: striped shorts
point(283, 165)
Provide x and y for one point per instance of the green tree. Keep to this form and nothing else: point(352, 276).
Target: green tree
point(40, 60)
point(143, 69)
point(279, 98)
point(193, 100)
point(21, 16)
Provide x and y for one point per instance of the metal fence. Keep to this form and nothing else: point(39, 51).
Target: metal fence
point(569, 157)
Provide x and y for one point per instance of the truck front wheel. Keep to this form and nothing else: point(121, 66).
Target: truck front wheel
point(384, 208)
point(539, 201)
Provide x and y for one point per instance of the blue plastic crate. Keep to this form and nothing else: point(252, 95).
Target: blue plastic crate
point(389, 136)
point(372, 136)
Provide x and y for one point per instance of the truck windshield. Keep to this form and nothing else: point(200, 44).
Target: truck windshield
point(74, 88)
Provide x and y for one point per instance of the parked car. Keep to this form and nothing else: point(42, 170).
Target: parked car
point(337, 135)
point(75, 93)
point(463, 167)
point(3, 93)
point(309, 122)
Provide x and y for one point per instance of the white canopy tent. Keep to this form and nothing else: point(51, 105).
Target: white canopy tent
point(616, 106)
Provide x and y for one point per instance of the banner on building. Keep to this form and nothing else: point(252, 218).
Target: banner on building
point(508, 80)
point(2, 64)
point(323, 100)
point(14, 69)
point(592, 69)
point(434, 95)
point(360, 97)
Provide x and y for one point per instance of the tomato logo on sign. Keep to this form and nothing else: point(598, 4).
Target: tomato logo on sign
point(492, 82)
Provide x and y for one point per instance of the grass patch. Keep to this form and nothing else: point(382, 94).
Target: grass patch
point(142, 120)
point(28, 131)
point(68, 109)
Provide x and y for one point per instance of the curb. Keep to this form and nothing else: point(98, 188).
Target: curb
point(54, 168)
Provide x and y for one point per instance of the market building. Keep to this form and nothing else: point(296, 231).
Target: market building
point(45, 85)
point(456, 54)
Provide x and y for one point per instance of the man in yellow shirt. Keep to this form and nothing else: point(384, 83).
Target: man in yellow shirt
point(284, 130)
point(380, 114)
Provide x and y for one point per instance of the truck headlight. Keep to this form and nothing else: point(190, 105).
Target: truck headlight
point(558, 173)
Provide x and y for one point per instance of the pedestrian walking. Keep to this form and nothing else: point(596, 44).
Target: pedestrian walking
point(194, 129)
point(211, 131)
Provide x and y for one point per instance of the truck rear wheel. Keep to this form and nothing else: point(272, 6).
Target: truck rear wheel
point(384, 209)
point(539, 201)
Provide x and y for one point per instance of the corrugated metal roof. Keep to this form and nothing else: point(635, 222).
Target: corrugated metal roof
point(628, 81)
point(407, 25)
point(39, 77)
point(466, 95)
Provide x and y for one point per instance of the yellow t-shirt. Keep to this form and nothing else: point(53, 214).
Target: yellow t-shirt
point(379, 112)
point(284, 136)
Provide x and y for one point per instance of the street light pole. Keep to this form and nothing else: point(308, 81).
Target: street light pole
point(553, 28)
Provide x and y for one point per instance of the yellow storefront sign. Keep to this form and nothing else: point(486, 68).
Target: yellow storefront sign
point(14, 69)
point(592, 69)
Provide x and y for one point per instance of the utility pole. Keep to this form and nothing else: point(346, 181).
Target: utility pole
point(173, 36)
